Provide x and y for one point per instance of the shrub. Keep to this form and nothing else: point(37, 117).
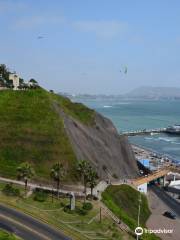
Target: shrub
point(95, 198)
point(40, 196)
point(62, 204)
point(81, 211)
point(67, 209)
point(87, 206)
point(9, 190)
point(91, 197)
point(115, 176)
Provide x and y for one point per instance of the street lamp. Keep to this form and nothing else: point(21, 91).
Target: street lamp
point(139, 211)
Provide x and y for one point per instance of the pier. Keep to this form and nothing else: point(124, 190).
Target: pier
point(144, 132)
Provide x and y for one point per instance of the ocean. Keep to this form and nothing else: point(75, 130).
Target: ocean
point(130, 115)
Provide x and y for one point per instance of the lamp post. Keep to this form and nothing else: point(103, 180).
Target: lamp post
point(139, 211)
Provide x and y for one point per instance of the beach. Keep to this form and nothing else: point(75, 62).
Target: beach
point(156, 160)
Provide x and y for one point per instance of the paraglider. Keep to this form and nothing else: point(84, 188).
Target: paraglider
point(124, 70)
point(40, 37)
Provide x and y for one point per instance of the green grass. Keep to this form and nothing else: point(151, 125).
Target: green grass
point(7, 236)
point(31, 130)
point(76, 110)
point(76, 226)
point(123, 201)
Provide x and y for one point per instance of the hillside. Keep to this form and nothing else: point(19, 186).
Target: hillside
point(44, 128)
point(123, 201)
point(7, 236)
point(126, 200)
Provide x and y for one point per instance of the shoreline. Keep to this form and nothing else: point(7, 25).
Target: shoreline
point(156, 159)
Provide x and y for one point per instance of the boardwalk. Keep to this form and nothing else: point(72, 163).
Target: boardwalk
point(150, 177)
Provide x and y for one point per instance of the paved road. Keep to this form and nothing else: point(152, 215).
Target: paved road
point(158, 221)
point(27, 227)
point(169, 201)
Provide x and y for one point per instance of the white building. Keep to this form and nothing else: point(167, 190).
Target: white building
point(15, 79)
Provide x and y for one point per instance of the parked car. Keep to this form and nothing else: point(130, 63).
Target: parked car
point(169, 215)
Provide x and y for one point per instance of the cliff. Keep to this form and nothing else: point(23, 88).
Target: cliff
point(44, 128)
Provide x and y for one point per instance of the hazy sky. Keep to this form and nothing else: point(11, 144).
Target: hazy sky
point(87, 42)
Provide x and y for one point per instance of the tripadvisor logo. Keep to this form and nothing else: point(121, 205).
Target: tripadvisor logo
point(139, 231)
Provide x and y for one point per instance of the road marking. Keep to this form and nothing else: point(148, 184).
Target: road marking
point(24, 226)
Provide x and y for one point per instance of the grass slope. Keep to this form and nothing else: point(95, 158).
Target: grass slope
point(31, 130)
point(123, 201)
point(7, 236)
point(72, 224)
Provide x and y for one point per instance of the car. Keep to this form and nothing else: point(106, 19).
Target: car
point(169, 215)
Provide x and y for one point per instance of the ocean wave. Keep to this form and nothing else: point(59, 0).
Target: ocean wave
point(172, 149)
point(107, 106)
point(165, 139)
point(148, 138)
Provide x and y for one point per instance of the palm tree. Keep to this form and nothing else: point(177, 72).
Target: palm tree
point(83, 168)
point(4, 71)
point(57, 173)
point(25, 173)
point(92, 177)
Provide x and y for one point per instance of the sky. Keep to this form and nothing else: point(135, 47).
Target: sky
point(86, 44)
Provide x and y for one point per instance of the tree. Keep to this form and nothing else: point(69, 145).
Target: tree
point(83, 168)
point(57, 173)
point(32, 80)
point(25, 173)
point(92, 177)
point(4, 71)
point(21, 80)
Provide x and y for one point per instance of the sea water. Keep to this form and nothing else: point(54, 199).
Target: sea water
point(130, 115)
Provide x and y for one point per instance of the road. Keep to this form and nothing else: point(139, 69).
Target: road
point(158, 221)
point(27, 227)
point(169, 201)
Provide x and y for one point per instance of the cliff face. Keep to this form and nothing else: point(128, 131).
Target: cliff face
point(44, 128)
point(109, 153)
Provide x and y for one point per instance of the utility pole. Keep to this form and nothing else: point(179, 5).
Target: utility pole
point(139, 211)
point(100, 215)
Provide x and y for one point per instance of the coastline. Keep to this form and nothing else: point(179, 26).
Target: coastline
point(156, 160)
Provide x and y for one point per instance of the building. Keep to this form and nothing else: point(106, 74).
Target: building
point(15, 80)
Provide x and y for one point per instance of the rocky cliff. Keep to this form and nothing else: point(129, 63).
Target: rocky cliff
point(44, 128)
point(109, 153)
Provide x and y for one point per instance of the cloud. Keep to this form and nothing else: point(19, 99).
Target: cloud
point(105, 29)
point(36, 21)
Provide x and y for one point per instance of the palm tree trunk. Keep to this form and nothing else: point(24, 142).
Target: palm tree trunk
point(91, 191)
point(85, 190)
point(25, 186)
point(52, 196)
point(58, 187)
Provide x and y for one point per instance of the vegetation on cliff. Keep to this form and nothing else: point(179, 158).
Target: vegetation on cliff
point(7, 236)
point(126, 200)
point(32, 131)
point(123, 201)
